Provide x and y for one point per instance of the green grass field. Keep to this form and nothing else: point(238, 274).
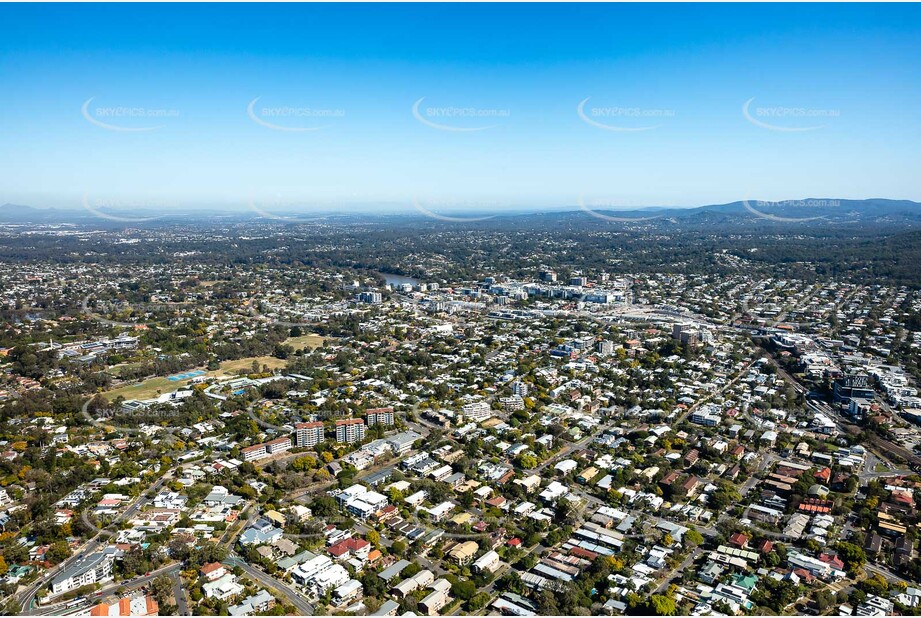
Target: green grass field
point(304, 341)
point(148, 389)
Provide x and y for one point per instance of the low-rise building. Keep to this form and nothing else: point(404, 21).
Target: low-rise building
point(463, 553)
point(92, 569)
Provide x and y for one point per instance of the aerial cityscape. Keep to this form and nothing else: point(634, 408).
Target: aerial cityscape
point(417, 310)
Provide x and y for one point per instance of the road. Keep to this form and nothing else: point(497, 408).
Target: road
point(707, 398)
point(29, 593)
point(91, 545)
point(685, 564)
point(85, 308)
point(127, 585)
point(889, 575)
point(767, 459)
point(801, 302)
point(264, 424)
point(293, 597)
point(101, 424)
point(575, 446)
point(182, 603)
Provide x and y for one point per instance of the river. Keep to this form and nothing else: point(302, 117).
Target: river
point(394, 279)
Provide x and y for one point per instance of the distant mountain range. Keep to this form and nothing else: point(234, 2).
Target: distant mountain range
point(16, 213)
point(789, 211)
point(810, 210)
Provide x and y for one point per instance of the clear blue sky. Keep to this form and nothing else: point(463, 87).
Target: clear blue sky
point(851, 70)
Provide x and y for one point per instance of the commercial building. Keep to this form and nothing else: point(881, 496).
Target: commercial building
point(403, 442)
point(853, 386)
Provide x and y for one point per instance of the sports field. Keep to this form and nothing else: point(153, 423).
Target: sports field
point(148, 389)
point(304, 341)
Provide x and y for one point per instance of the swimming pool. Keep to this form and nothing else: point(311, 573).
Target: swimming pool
point(188, 375)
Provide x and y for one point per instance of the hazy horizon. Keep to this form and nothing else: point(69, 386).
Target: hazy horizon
point(411, 207)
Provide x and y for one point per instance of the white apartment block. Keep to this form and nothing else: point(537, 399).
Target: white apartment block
point(477, 411)
point(379, 416)
point(94, 568)
point(308, 434)
point(350, 430)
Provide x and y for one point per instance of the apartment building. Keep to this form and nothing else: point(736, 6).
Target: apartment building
point(259, 451)
point(379, 416)
point(477, 411)
point(94, 568)
point(350, 430)
point(373, 298)
point(308, 434)
point(520, 388)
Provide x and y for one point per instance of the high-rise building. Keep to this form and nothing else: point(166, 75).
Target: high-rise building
point(350, 430)
point(605, 347)
point(379, 416)
point(308, 434)
point(373, 298)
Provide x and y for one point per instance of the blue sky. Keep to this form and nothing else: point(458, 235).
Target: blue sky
point(844, 77)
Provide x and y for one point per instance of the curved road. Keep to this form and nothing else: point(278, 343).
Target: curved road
point(86, 309)
point(91, 545)
point(293, 597)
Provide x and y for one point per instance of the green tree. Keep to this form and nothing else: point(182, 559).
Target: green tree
point(58, 552)
point(693, 537)
point(463, 589)
point(662, 605)
point(852, 555)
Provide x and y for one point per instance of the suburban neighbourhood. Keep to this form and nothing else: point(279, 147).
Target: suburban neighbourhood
point(564, 443)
